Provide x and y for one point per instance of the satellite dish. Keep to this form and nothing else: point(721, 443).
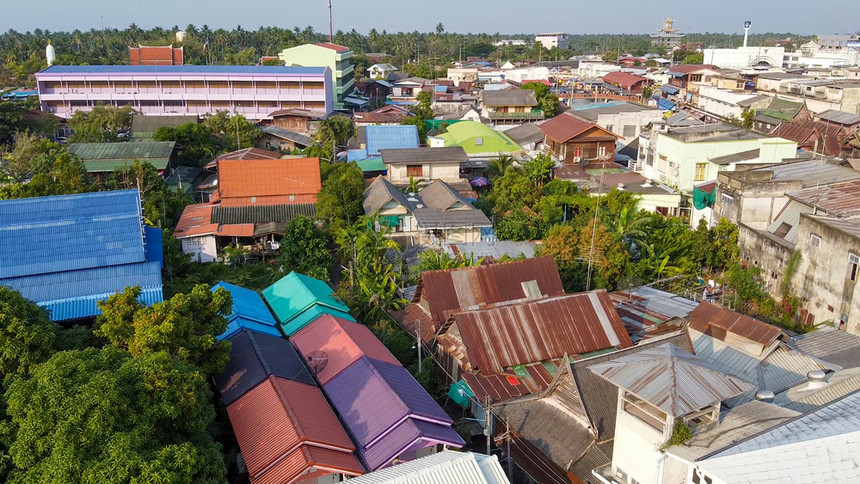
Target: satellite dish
point(317, 361)
point(747, 24)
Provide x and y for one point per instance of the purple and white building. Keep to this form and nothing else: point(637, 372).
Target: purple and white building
point(252, 91)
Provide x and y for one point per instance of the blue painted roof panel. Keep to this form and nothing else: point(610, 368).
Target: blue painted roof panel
point(238, 324)
point(70, 232)
point(355, 155)
point(248, 309)
point(310, 315)
point(86, 306)
point(390, 137)
point(185, 69)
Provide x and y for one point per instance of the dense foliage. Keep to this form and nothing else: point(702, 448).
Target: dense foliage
point(305, 249)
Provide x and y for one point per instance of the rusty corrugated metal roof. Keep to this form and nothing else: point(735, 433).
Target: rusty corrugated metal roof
point(544, 329)
point(837, 199)
point(716, 321)
point(454, 290)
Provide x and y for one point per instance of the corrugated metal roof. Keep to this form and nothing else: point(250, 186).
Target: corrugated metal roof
point(268, 182)
point(387, 137)
point(564, 127)
point(446, 154)
point(509, 97)
point(839, 117)
point(330, 345)
point(253, 358)
point(249, 312)
point(141, 150)
point(446, 467)
point(809, 396)
point(62, 233)
point(716, 321)
point(838, 199)
point(671, 379)
point(510, 335)
point(375, 399)
point(833, 346)
point(262, 214)
point(818, 447)
point(183, 69)
point(454, 290)
point(295, 293)
point(286, 134)
point(285, 427)
point(737, 157)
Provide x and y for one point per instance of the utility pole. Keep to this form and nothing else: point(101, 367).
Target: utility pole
point(418, 344)
point(510, 459)
point(488, 422)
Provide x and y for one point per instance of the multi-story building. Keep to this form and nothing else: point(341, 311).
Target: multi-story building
point(337, 58)
point(252, 91)
point(552, 39)
point(668, 36)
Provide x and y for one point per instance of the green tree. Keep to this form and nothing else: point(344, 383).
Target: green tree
point(233, 131)
point(539, 169)
point(424, 108)
point(27, 335)
point(162, 207)
point(31, 155)
point(103, 124)
point(694, 58)
point(305, 249)
point(337, 130)
point(511, 191)
point(501, 165)
point(431, 260)
point(419, 124)
point(199, 143)
point(521, 224)
point(99, 415)
point(340, 197)
point(185, 326)
point(546, 99)
point(66, 176)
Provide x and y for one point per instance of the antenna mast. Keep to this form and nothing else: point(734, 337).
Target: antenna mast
point(330, 31)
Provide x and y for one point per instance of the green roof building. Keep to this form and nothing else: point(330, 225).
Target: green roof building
point(144, 127)
point(478, 139)
point(108, 157)
point(297, 300)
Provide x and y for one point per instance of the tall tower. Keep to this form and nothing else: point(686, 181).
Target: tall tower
point(747, 25)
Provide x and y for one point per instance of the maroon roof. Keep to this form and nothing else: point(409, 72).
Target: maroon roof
point(564, 127)
point(716, 321)
point(453, 290)
point(511, 335)
point(334, 47)
point(284, 428)
point(806, 132)
point(624, 79)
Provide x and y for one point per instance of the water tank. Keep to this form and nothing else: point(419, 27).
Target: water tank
point(50, 55)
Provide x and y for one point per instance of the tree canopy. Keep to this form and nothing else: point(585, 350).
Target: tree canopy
point(26, 335)
point(304, 249)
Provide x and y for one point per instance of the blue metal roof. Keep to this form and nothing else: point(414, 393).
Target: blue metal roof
point(86, 307)
point(53, 234)
point(19, 94)
point(185, 69)
point(390, 137)
point(665, 104)
point(249, 312)
point(669, 89)
point(355, 155)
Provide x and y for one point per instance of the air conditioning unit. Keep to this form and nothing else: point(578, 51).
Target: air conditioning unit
point(577, 159)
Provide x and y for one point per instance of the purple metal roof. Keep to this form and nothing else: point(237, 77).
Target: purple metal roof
point(410, 435)
point(253, 357)
point(376, 399)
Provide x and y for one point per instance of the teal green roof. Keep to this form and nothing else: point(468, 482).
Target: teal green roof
point(475, 137)
point(102, 157)
point(374, 163)
point(295, 294)
point(783, 109)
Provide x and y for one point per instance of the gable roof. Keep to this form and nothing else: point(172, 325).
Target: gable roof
point(107, 157)
point(671, 379)
point(447, 154)
point(248, 312)
point(387, 411)
point(623, 79)
point(380, 193)
point(335, 47)
point(804, 132)
point(557, 326)
point(338, 343)
point(285, 428)
point(288, 135)
point(297, 299)
point(564, 127)
point(442, 467)
point(839, 117)
point(783, 109)
point(253, 358)
point(719, 322)
point(268, 182)
point(509, 97)
point(833, 346)
point(525, 133)
point(388, 137)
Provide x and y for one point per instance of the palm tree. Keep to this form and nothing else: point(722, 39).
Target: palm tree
point(501, 166)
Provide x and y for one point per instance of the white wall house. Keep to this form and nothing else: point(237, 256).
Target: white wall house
point(745, 57)
point(728, 104)
point(381, 71)
point(552, 39)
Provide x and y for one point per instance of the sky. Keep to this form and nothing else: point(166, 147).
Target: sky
point(475, 16)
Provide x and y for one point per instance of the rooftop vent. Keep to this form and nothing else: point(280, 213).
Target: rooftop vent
point(764, 396)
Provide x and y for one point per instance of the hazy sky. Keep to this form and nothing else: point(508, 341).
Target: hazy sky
point(505, 16)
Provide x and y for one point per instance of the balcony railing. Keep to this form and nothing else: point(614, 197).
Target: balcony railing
point(529, 115)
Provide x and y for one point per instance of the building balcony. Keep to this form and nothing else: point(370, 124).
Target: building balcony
point(533, 115)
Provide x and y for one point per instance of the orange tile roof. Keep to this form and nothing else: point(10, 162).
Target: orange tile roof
point(268, 182)
point(249, 154)
point(334, 47)
point(236, 230)
point(195, 221)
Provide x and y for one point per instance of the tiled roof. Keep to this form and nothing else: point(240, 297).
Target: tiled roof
point(389, 137)
point(443, 467)
point(623, 79)
point(261, 214)
point(334, 47)
point(268, 182)
point(249, 312)
point(565, 127)
point(285, 428)
point(386, 411)
point(564, 325)
point(337, 344)
point(671, 379)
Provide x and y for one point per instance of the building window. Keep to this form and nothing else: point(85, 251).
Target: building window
point(479, 141)
point(644, 411)
point(629, 130)
point(853, 262)
point(577, 152)
point(414, 170)
point(814, 240)
point(701, 169)
point(601, 151)
point(609, 128)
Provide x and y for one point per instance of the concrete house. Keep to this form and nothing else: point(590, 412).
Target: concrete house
point(728, 104)
point(381, 71)
point(510, 106)
point(423, 163)
point(336, 57)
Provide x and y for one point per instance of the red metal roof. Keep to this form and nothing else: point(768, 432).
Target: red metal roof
point(249, 154)
point(712, 319)
point(195, 221)
point(565, 127)
point(838, 199)
point(334, 47)
point(806, 132)
point(268, 182)
point(341, 343)
point(282, 426)
point(510, 335)
point(236, 230)
point(454, 290)
point(623, 79)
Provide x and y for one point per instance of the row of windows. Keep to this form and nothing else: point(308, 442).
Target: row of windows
point(269, 85)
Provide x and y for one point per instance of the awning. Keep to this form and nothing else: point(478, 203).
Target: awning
point(355, 101)
point(665, 104)
point(460, 393)
point(374, 163)
point(669, 89)
point(389, 220)
point(702, 198)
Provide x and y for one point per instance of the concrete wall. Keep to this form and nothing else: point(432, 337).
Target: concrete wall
point(822, 276)
point(751, 198)
point(202, 249)
point(431, 171)
point(618, 121)
point(310, 55)
point(635, 448)
point(768, 254)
